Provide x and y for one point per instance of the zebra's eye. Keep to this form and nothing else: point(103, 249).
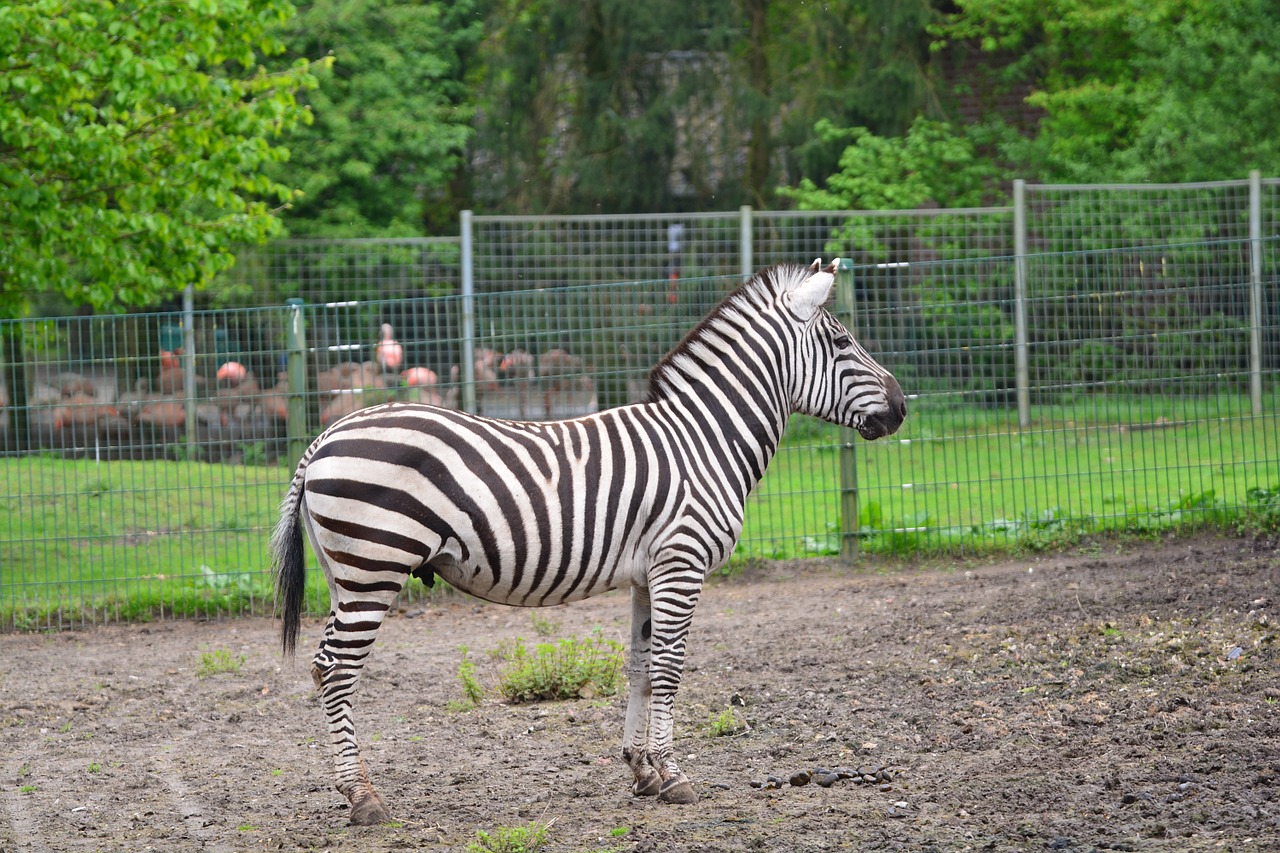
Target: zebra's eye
point(843, 342)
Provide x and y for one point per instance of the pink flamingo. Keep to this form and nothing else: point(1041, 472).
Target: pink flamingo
point(388, 353)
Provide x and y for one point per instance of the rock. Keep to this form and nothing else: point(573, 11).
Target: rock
point(826, 778)
point(799, 778)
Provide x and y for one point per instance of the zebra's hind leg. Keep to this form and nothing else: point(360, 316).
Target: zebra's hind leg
point(348, 638)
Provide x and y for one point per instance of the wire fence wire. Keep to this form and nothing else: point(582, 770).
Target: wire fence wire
point(1118, 374)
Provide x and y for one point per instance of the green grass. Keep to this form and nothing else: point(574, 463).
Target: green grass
point(511, 839)
point(98, 541)
point(965, 477)
point(218, 661)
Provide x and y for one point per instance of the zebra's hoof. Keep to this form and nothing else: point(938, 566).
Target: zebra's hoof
point(369, 812)
point(677, 791)
point(647, 787)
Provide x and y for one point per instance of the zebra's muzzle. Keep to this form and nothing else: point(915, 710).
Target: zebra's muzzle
point(879, 424)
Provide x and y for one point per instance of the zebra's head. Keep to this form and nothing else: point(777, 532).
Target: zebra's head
point(835, 378)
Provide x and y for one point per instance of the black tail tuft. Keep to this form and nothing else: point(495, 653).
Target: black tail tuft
point(289, 560)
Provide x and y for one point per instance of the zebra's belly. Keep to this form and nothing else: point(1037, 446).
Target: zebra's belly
point(526, 588)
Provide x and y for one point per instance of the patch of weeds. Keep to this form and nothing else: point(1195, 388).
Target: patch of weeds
point(95, 767)
point(569, 668)
point(97, 487)
point(472, 689)
point(254, 454)
point(543, 626)
point(218, 660)
point(241, 585)
point(27, 789)
point(511, 839)
point(725, 724)
point(826, 545)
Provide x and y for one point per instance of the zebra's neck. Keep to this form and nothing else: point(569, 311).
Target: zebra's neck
point(732, 400)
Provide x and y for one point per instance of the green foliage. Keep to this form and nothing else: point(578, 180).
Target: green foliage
point(392, 117)
point(135, 138)
point(569, 668)
point(543, 626)
point(725, 724)
point(1138, 90)
point(935, 162)
point(218, 661)
point(511, 839)
point(472, 689)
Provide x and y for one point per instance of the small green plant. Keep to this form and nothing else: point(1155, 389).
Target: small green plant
point(511, 839)
point(27, 789)
point(619, 831)
point(569, 668)
point(95, 767)
point(472, 689)
point(725, 724)
point(218, 660)
point(97, 487)
point(543, 626)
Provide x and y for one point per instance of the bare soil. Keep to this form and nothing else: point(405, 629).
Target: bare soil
point(1123, 697)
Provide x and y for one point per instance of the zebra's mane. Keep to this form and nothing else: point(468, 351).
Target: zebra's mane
point(762, 288)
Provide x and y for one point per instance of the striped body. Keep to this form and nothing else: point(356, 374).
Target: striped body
point(648, 497)
point(528, 514)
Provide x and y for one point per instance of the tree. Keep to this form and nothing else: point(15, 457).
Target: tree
point(133, 138)
point(1138, 90)
point(933, 164)
point(392, 118)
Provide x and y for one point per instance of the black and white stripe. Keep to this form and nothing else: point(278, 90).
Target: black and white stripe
point(648, 497)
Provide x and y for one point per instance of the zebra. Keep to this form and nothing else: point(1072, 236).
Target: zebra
point(648, 496)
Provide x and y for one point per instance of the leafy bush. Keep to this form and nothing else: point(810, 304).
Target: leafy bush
point(569, 668)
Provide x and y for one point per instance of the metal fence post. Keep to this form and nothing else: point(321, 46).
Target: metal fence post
point(744, 242)
point(468, 376)
point(1022, 376)
point(189, 366)
point(296, 365)
point(1255, 290)
point(848, 438)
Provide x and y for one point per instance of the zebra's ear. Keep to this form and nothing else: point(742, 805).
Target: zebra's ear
point(809, 293)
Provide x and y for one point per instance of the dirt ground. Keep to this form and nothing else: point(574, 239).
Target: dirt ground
point(1123, 697)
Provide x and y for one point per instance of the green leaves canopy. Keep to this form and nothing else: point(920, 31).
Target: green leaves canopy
point(392, 118)
point(133, 138)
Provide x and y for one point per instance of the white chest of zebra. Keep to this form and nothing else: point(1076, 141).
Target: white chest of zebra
point(648, 497)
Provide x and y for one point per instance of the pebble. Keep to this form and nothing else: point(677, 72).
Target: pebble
point(826, 779)
point(799, 778)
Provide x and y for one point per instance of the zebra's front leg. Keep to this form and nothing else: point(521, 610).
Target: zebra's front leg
point(336, 671)
point(673, 599)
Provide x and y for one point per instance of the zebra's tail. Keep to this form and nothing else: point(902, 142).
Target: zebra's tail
point(288, 560)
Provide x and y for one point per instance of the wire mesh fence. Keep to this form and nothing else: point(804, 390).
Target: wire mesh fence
point(1053, 392)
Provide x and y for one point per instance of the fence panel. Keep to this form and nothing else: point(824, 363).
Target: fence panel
point(142, 474)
